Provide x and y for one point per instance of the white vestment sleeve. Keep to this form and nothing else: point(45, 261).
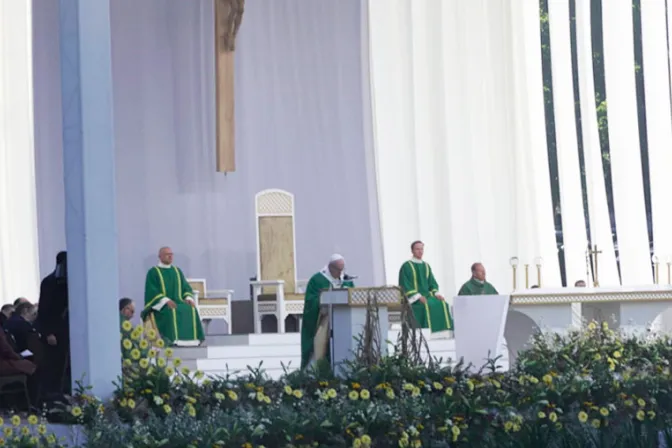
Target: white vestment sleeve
point(414, 298)
point(161, 304)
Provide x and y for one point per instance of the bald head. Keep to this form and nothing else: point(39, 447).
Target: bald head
point(478, 271)
point(166, 255)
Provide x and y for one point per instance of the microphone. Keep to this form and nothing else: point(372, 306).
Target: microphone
point(347, 277)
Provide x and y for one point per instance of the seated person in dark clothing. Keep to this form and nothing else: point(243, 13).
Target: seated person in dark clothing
point(20, 325)
point(5, 313)
point(11, 363)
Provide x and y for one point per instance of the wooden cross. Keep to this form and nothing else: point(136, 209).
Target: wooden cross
point(593, 256)
point(228, 17)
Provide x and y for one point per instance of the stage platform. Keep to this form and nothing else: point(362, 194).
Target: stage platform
point(277, 353)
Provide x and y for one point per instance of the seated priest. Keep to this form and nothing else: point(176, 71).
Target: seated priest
point(477, 285)
point(420, 288)
point(169, 303)
point(315, 325)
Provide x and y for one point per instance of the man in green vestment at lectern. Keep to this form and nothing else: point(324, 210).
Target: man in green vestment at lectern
point(170, 304)
point(477, 285)
point(314, 331)
point(420, 288)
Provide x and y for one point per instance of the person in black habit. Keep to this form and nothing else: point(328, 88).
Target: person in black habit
point(52, 323)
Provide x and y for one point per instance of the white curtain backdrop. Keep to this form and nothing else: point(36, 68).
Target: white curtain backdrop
point(659, 124)
point(451, 83)
point(600, 227)
point(627, 184)
point(571, 199)
point(298, 127)
point(19, 275)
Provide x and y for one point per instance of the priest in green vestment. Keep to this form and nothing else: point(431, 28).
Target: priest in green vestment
point(420, 288)
point(170, 304)
point(477, 285)
point(332, 276)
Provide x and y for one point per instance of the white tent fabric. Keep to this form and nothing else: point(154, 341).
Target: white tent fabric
point(19, 264)
point(658, 123)
point(624, 147)
point(575, 239)
point(452, 82)
point(600, 227)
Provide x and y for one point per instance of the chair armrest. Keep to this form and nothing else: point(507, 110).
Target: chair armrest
point(219, 294)
point(267, 282)
point(301, 286)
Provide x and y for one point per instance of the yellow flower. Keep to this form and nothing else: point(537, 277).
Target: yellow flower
point(605, 325)
point(390, 394)
point(177, 362)
point(437, 386)
point(51, 439)
point(416, 392)
point(160, 343)
point(32, 419)
point(135, 335)
point(641, 415)
point(101, 409)
point(127, 362)
point(8, 431)
point(42, 430)
point(533, 380)
point(408, 386)
point(267, 399)
point(288, 390)
point(357, 443)
point(548, 379)
point(366, 440)
point(135, 354)
point(449, 391)
point(651, 415)
point(364, 394)
point(541, 414)
point(219, 396)
point(25, 430)
point(353, 395)
point(191, 411)
point(33, 441)
point(152, 353)
point(131, 403)
point(297, 393)
point(553, 417)
point(151, 334)
point(628, 403)
point(199, 374)
point(356, 386)
point(331, 393)
point(191, 400)
point(641, 402)
point(604, 412)
point(127, 344)
point(592, 326)
point(127, 325)
point(597, 357)
point(455, 430)
point(170, 371)
point(76, 411)
point(508, 426)
point(167, 409)
point(470, 385)
point(185, 370)
point(16, 420)
point(617, 354)
point(583, 417)
point(232, 395)
point(161, 362)
point(595, 423)
point(144, 363)
point(144, 344)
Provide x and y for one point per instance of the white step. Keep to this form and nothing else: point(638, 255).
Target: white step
point(207, 365)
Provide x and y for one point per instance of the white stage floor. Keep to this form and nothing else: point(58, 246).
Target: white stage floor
point(275, 353)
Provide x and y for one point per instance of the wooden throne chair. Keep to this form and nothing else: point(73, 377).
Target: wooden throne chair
point(276, 290)
point(212, 305)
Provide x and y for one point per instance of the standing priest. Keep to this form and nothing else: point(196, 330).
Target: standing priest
point(420, 288)
point(315, 325)
point(169, 303)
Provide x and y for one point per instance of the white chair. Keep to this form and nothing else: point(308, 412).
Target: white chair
point(276, 291)
point(211, 304)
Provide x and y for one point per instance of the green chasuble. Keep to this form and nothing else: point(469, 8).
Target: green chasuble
point(311, 309)
point(180, 324)
point(416, 278)
point(475, 288)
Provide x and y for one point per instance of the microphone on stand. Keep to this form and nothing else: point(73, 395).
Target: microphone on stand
point(347, 277)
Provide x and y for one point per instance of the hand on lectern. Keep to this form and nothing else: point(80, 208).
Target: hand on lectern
point(439, 296)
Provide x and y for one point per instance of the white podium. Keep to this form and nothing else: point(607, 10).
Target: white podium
point(347, 310)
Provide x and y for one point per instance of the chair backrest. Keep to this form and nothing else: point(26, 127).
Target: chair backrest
point(198, 284)
point(275, 238)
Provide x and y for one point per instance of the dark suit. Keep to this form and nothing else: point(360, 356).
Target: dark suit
point(52, 318)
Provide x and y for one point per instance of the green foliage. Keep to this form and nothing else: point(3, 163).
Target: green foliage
point(589, 388)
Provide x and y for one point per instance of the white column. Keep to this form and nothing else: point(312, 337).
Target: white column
point(626, 163)
point(569, 173)
point(658, 123)
point(600, 228)
point(19, 264)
